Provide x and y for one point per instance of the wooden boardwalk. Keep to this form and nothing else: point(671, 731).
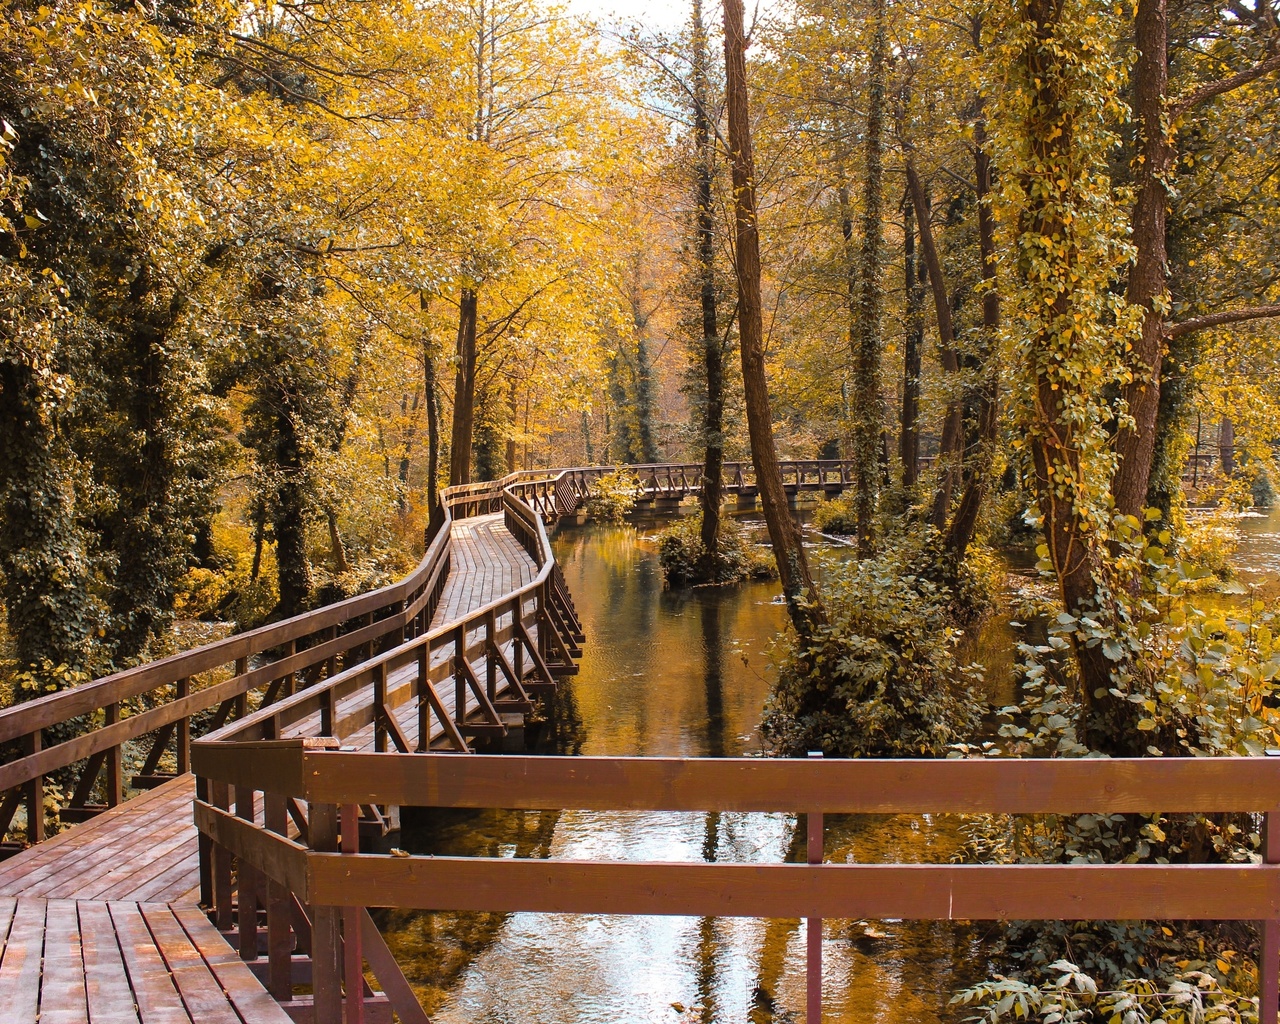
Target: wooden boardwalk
point(101, 923)
point(488, 563)
point(115, 962)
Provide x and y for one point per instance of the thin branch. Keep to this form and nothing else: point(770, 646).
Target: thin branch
point(1229, 316)
point(1224, 85)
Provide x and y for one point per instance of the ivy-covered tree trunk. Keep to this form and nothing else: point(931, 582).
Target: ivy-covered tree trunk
point(976, 474)
point(712, 348)
point(140, 461)
point(913, 343)
point(291, 504)
point(43, 561)
point(464, 391)
point(803, 602)
point(431, 397)
point(864, 333)
point(1136, 443)
point(1064, 270)
point(951, 446)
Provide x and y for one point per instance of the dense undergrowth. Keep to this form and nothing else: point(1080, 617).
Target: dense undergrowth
point(685, 562)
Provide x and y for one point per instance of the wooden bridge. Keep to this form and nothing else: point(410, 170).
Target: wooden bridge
point(237, 886)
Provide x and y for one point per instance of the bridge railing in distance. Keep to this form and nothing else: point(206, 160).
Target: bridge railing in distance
point(80, 733)
point(517, 645)
point(324, 871)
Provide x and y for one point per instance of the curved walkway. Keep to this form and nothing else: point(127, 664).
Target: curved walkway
point(100, 923)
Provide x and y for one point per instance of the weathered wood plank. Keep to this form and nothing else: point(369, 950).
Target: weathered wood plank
point(915, 891)
point(203, 996)
point(106, 979)
point(775, 784)
point(20, 967)
point(63, 999)
point(250, 999)
point(156, 996)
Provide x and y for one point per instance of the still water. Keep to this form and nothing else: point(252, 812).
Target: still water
point(676, 675)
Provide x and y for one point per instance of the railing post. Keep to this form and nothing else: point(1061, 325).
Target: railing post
point(114, 772)
point(1269, 959)
point(205, 847)
point(220, 863)
point(326, 966)
point(279, 940)
point(353, 954)
point(35, 795)
point(247, 881)
point(813, 928)
point(183, 742)
point(459, 677)
point(491, 666)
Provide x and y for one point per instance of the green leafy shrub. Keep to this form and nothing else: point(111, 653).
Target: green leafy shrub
point(612, 497)
point(881, 677)
point(836, 516)
point(684, 561)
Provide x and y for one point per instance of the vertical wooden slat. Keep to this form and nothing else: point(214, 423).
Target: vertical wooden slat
point(114, 763)
point(184, 731)
point(420, 695)
point(35, 794)
point(326, 971)
point(220, 859)
point(279, 909)
point(205, 847)
point(353, 954)
point(241, 702)
point(1269, 965)
point(813, 928)
point(491, 667)
point(247, 878)
point(380, 707)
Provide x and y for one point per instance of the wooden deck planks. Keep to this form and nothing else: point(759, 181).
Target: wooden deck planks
point(154, 993)
point(487, 562)
point(63, 998)
point(143, 849)
point(20, 965)
point(99, 924)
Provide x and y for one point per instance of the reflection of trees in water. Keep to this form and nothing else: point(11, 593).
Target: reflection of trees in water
point(434, 948)
point(561, 729)
point(713, 676)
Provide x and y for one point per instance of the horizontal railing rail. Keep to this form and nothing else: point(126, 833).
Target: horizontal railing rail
point(334, 874)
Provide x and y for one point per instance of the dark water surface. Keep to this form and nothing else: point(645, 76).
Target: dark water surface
point(677, 675)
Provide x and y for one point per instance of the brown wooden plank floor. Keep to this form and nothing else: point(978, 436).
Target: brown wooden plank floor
point(487, 563)
point(75, 961)
point(100, 922)
point(144, 851)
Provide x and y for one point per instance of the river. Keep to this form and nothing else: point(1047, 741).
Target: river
point(663, 674)
point(686, 674)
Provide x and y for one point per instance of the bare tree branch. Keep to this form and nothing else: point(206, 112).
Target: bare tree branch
point(1226, 316)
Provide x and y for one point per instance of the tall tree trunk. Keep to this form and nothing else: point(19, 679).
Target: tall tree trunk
point(913, 281)
point(1135, 445)
point(434, 513)
point(464, 391)
point(293, 568)
point(1052, 432)
point(1227, 447)
point(645, 404)
point(951, 447)
point(43, 547)
point(977, 467)
point(865, 340)
point(712, 349)
point(798, 588)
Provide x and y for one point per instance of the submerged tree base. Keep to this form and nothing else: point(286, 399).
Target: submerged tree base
point(685, 562)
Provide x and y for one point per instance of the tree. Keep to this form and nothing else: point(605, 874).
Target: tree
point(803, 603)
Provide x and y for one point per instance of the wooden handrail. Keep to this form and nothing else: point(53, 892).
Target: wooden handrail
point(329, 779)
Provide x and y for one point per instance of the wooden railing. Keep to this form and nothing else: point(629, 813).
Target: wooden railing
point(321, 885)
point(80, 734)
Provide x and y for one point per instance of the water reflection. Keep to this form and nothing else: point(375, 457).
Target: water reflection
point(670, 675)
